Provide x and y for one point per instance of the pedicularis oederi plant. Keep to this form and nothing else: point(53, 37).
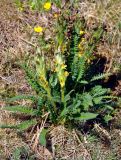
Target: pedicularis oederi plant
point(69, 90)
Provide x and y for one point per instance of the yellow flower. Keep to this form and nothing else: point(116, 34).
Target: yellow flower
point(66, 74)
point(81, 32)
point(80, 54)
point(80, 46)
point(63, 66)
point(38, 29)
point(62, 83)
point(47, 5)
point(83, 40)
point(21, 9)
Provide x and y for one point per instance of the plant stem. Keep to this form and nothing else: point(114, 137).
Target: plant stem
point(51, 99)
point(62, 96)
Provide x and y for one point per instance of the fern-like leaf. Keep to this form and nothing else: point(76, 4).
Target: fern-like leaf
point(81, 69)
point(26, 124)
point(21, 109)
point(100, 76)
point(30, 76)
point(110, 97)
point(73, 51)
point(20, 97)
point(99, 91)
point(3, 126)
point(22, 126)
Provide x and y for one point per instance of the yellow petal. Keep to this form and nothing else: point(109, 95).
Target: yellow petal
point(81, 32)
point(62, 83)
point(21, 8)
point(63, 66)
point(80, 47)
point(80, 54)
point(38, 29)
point(47, 5)
point(83, 40)
point(66, 74)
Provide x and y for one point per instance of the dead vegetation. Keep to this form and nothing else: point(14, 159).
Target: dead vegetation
point(17, 41)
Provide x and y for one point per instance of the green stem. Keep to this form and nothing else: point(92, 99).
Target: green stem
point(51, 99)
point(62, 96)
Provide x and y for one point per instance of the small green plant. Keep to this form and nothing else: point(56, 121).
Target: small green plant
point(69, 92)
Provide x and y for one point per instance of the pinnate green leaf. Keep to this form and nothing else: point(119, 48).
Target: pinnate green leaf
point(21, 109)
point(26, 124)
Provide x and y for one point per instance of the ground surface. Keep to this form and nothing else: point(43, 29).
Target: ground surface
point(17, 40)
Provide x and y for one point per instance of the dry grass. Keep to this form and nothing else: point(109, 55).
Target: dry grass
point(109, 14)
point(101, 149)
point(67, 145)
point(9, 139)
point(17, 41)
